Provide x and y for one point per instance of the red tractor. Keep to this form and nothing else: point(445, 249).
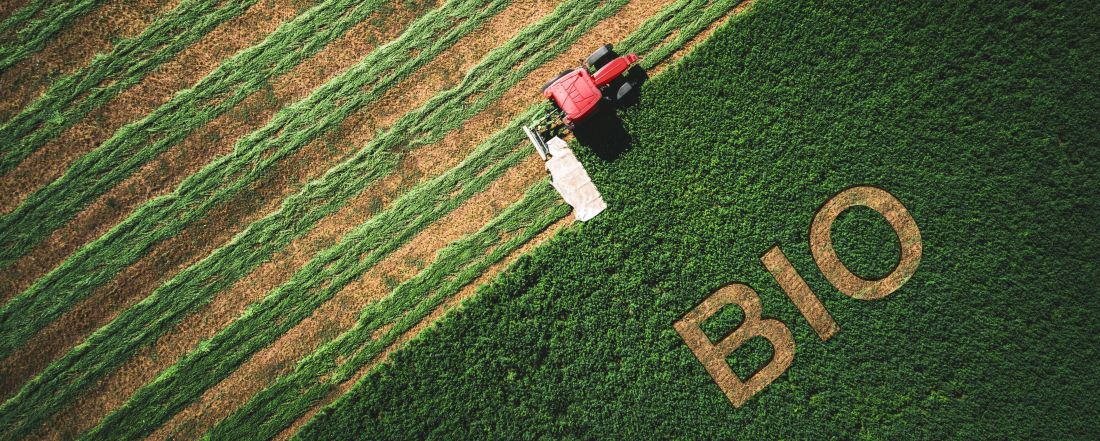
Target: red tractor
point(577, 93)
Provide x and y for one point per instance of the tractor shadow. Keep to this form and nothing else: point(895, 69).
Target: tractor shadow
point(605, 133)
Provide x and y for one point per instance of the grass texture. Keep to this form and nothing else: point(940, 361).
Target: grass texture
point(139, 142)
point(49, 391)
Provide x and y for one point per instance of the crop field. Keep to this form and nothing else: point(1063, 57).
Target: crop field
point(256, 219)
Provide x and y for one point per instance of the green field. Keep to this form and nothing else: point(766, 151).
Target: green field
point(980, 118)
point(242, 219)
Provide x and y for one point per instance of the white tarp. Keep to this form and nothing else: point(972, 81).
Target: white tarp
point(568, 177)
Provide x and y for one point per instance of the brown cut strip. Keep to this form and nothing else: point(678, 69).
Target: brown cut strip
point(8, 7)
point(73, 48)
point(159, 177)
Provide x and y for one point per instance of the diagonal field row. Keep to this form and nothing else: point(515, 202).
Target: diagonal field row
point(136, 144)
point(49, 161)
point(509, 17)
point(333, 268)
point(430, 34)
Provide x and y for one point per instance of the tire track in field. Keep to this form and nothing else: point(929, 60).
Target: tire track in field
point(467, 291)
point(196, 241)
point(185, 69)
point(342, 310)
point(157, 178)
point(427, 161)
point(73, 48)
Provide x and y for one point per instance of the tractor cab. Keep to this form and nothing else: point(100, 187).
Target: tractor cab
point(577, 93)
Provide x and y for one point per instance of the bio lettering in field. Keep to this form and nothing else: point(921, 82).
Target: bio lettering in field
point(713, 354)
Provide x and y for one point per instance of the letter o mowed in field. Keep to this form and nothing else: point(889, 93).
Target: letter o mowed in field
point(713, 355)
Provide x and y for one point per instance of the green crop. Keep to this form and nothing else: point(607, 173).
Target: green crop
point(980, 117)
point(75, 95)
point(33, 25)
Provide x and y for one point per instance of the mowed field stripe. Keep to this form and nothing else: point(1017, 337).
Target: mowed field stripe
point(28, 30)
point(466, 200)
point(283, 351)
point(74, 48)
point(73, 96)
point(292, 306)
point(168, 257)
point(153, 90)
point(13, 12)
point(165, 216)
point(137, 143)
point(252, 158)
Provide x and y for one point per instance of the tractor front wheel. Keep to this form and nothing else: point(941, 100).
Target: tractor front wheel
point(600, 57)
point(551, 82)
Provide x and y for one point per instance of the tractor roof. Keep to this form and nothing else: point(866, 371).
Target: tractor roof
point(575, 93)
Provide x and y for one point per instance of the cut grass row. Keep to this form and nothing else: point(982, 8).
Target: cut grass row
point(25, 34)
point(460, 263)
point(137, 143)
point(290, 129)
point(280, 404)
point(296, 299)
point(73, 96)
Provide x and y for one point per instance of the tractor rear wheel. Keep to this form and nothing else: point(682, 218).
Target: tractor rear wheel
point(600, 57)
point(551, 82)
